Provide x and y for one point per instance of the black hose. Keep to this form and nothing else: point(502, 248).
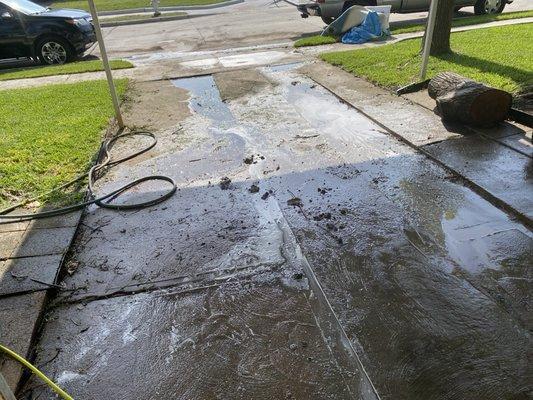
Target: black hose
point(106, 163)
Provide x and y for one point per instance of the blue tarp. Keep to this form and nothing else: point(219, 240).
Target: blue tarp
point(368, 30)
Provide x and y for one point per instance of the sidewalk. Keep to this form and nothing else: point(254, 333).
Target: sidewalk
point(31, 254)
point(493, 160)
point(172, 8)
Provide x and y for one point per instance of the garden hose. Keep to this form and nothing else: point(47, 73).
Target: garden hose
point(64, 395)
point(107, 162)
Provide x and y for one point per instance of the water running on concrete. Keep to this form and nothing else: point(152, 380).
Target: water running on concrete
point(359, 269)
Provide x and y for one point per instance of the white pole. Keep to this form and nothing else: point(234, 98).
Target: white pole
point(428, 38)
point(105, 60)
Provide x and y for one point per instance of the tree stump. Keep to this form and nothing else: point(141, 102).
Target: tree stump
point(463, 100)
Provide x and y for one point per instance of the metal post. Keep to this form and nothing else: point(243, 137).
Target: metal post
point(428, 38)
point(105, 60)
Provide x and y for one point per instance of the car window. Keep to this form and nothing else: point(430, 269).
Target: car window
point(24, 6)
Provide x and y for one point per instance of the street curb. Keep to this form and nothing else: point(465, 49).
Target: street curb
point(110, 24)
point(172, 8)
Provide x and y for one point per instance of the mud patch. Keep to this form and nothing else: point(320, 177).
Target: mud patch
point(236, 84)
point(155, 105)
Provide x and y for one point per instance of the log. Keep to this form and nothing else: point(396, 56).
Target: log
point(463, 100)
point(445, 82)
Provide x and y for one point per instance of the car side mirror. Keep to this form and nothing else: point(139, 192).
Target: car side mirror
point(6, 15)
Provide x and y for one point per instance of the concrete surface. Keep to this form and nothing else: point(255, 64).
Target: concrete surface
point(499, 172)
point(387, 279)
point(20, 317)
point(359, 269)
point(31, 254)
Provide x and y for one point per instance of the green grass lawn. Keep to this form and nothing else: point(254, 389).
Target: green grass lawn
point(398, 27)
point(141, 17)
point(500, 57)
point(50, 134)
point(402, 27)
point(315, 40)
point(65, 69)
point(109, 5)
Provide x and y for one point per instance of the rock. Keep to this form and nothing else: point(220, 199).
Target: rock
point(254, 189)
point(322, 216)
point(331, 227)
point(225, 183)
point(295, 201)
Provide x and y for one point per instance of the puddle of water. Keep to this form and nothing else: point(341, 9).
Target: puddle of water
point(471, 234)
point(205, 98)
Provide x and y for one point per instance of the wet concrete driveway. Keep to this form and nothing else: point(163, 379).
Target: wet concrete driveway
point(333, 262)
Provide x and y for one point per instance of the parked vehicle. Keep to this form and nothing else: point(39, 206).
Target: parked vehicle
point(328, 10)
point(51, 36)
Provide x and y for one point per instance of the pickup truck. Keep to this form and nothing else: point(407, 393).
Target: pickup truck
point(329, 10)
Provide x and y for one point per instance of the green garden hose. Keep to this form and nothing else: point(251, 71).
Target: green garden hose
point(64, 395)
point(106, 163)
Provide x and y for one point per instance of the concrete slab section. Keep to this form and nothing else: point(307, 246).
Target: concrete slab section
point(15, 226)
point(418, 125)
point(521, 143)
point(394, 263)
point(503, 172)
point(9, 242)
point(26, 274)
point(226, 341)
point(62, 221)
point(168, 98)
point(19, 316)
point(47, 241)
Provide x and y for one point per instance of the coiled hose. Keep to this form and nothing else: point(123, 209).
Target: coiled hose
point(64, 395)
point(106, 163)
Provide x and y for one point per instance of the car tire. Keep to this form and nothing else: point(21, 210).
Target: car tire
point(489, 6)
point(54, 50)
point(328, 20)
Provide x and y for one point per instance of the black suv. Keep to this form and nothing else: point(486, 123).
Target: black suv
point(51, 36)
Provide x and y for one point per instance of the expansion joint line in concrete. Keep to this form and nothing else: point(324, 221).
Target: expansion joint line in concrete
point(321, 296)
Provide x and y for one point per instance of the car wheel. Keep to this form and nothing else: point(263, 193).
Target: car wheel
point(54, 51)
point(489, 6)
point(328, 20)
